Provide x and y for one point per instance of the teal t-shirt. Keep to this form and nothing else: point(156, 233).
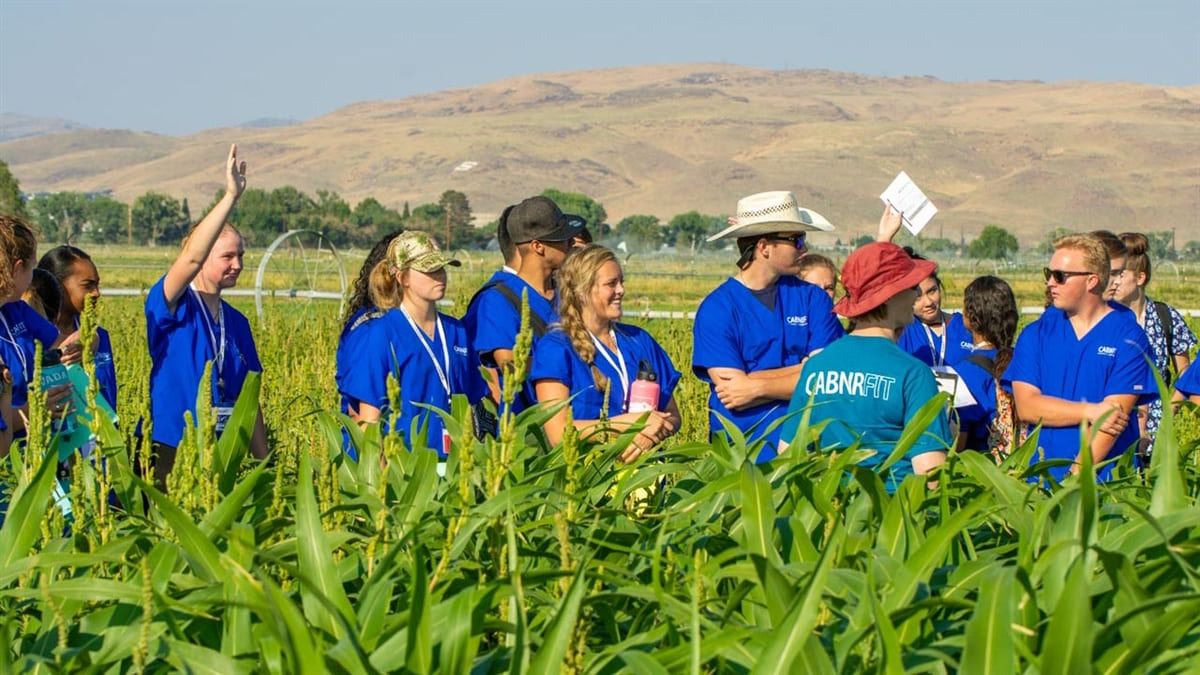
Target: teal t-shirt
point(869, 389)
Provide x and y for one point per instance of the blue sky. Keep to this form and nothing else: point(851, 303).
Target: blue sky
point(173, 67)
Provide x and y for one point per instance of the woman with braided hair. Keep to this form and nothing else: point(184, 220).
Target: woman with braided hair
point(990, 313)
point(589, 353)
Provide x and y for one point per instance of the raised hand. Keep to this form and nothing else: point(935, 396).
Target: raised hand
point(889, 224)
point(235, 174)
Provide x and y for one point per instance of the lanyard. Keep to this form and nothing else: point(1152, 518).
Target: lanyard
point(12, 339)
point(941, 356)
point(217, 345)
point(622, 371)
point(442, 373)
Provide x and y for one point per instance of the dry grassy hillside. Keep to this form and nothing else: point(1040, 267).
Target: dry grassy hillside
point(665, 139)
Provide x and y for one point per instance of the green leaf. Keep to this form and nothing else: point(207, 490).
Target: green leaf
point(419, 648)
point(23, 521)
point(557, 638)
point(789, 639)
point(1067, 643)
point(989, 648)
point(323, 592)
point(758, 514)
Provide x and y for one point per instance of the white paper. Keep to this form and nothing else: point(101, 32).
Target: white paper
point(915, 208)
point(949, 381)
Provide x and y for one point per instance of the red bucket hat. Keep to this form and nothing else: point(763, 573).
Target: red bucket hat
point(876, 272)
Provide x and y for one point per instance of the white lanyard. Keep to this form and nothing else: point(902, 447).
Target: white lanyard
point(622, 372)
point(217, 345)
point(442, 373)
point(12, 339)
point(945, 338)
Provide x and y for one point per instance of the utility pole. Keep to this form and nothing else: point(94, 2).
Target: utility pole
point(130, 222)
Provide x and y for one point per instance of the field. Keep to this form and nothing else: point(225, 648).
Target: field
point(531, 559)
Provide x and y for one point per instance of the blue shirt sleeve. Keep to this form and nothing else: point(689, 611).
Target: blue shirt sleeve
point(1189, 382)
point(365, 379)
point(495, 324)
point(1026, 354)
point(1132, 374)
point(552, 359)
point(714, 338)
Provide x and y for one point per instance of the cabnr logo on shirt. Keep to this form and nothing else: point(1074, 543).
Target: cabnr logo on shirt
point(798, 320)
point(967, 346)
point(461, 351)
point(1104, 350)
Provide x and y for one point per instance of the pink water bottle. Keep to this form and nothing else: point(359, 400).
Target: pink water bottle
point(643, 393)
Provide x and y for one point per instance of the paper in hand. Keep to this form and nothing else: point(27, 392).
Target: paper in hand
point(915, 208)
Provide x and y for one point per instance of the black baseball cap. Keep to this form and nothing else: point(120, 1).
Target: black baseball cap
point(540, 218)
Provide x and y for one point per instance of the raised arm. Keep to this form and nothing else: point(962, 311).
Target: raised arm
point(195, 251)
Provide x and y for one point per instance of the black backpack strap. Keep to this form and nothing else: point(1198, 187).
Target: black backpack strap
point(536, 323)
point(983, 362)
point(1168, 328)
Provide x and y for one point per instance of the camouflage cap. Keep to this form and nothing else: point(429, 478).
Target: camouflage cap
point(418, 251)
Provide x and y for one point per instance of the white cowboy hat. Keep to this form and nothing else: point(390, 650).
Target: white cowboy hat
point(771, 212)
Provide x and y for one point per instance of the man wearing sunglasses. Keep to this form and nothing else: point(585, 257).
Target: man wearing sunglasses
point(753, 332)
point(1081, 362)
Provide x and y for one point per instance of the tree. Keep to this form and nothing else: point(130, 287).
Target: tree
point(458, 219)
point(1047, 245)
point(994, 243)
point(10, 193)
point(60, 215)
point(158, 219)
point(692, 229)
point(580, 205)
point(107, 220)
point(861, 240)
point(640, 232)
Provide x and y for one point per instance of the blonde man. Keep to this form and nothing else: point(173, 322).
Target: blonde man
point(1082, 362)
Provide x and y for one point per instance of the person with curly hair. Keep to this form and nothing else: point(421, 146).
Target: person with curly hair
point(591, 358)
point(990, 313)
point(21, 327)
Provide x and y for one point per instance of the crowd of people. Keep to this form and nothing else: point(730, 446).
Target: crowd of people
point(770, 343)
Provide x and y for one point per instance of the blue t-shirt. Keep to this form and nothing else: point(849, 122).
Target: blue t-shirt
point(733, 329)
point(1109, 359)
point(180, 344)
point(389, 345)
point(920, 341)
point(493, 323)
point(975, 420)
point(554, 358)
point(20, 328)
point(869, 389)
point(1188, 383)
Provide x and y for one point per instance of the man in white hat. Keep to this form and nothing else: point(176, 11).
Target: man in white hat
point(753, 332)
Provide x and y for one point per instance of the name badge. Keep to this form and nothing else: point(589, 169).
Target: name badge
point(222, 414)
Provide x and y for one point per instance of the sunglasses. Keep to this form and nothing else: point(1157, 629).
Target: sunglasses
point(1061, 276)
point(796, 239)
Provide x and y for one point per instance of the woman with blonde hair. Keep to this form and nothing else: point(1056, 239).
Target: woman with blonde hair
point(188, 325)
point(427, 352)
point(589, 353)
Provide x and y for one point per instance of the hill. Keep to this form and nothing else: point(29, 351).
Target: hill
point(1030, 156)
